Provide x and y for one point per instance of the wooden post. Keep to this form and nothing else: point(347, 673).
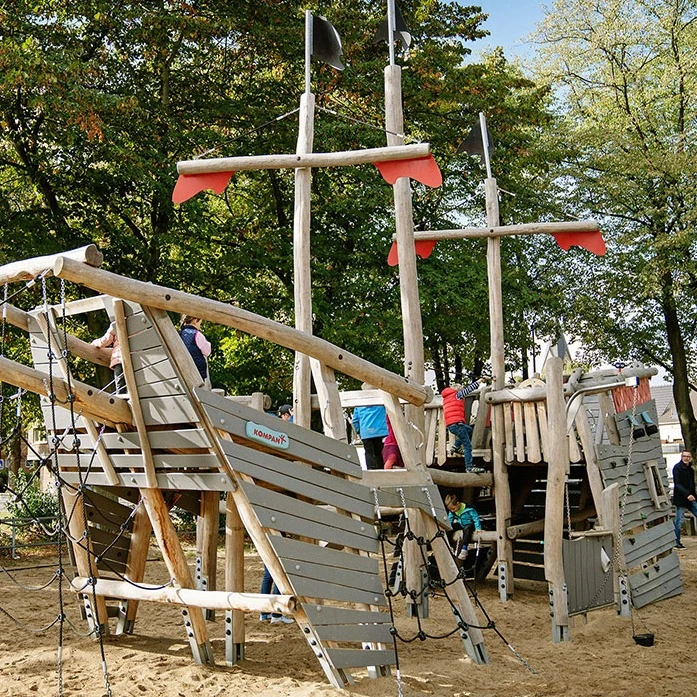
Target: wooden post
point(234, 581)
point(129, 376)
point(558, 467)
point(595, 479)
point(611, 514)
point(178, 568)
point(502, 491)
point(135, 568)
point(302, 284)
point(97, 616)
point(408, 279)
point(207, 543)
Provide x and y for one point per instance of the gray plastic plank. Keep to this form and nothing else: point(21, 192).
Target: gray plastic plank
point(356, 658)
point(315, 588)
point(165, 461)
point(168, 410)
point(301, 479)
point(300, 443)
point(330, 615)
point(105, 511)
point(162, 388)
point(194, 481)
point(156, 372)
point(656, 582)
point(297, 550)
point(278, 512)
point(183, 438)
point(331, 574)
point(649, 543)
point(369, 633)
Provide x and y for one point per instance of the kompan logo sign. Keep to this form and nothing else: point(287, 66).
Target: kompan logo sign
point(263, 434)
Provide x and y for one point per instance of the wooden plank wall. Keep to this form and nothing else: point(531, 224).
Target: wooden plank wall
point(653, 567)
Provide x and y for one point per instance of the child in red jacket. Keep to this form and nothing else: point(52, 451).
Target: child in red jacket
point(456, 422)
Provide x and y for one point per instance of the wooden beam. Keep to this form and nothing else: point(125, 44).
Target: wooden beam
point(20, 319)
point(178, 569)
point(507, 230)
point(218, 600)
point(558, 458)
point(303, 160)
point(89, 401)
point(460, 479)
point(302, 268)
point(30, 268)
point(129, 375)
point(222, 313)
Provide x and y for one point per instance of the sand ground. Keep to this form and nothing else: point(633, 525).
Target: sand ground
point(600, 660)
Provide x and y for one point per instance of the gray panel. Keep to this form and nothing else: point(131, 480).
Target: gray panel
point(168, 410)
point(369, 633)
point(314, 588)
point(149, 357)
point(301, 479)
point(63, 418)
point(195, 481)
point(168, 461)
point(105, 511)
point(290, 549)
point(184, 438)
point(588, 585)
point(155, 373)
point(354, 658)
point(332, 574)
point(656, 582)
point(163, 388)
point(304, 444)
point(649, 543)
point(278, 512)
point(326, 614)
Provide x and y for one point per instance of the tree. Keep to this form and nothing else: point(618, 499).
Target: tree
point(99, 101)
point(625, 71)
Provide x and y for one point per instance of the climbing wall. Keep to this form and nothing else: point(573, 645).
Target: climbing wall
point(647, 526)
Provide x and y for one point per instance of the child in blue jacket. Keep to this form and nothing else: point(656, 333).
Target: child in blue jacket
point(464, 520)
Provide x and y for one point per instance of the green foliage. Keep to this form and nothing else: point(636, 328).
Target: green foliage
point(99, 101)
point(29, 500)
point(626, 73)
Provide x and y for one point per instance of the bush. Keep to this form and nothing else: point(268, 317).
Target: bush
point(29, 500)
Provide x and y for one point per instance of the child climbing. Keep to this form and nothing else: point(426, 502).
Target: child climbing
point(110, 340)
point(456, 420)
point(391, 455)
point(464, 520)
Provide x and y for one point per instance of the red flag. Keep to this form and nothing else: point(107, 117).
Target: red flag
point(592, 241)
point(423, 250)
point(422, 169)
point(188, 185)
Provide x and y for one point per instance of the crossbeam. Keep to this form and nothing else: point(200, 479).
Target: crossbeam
point(299, 161)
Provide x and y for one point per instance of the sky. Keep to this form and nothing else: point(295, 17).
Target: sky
point(510, 21)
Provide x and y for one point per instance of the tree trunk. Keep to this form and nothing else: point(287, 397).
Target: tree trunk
point(681, 388)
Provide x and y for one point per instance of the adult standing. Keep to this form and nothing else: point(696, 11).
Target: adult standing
point(684, 496)
point(370, 424)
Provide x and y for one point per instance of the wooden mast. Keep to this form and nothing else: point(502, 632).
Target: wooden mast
point(302, 279)
point(404, 226)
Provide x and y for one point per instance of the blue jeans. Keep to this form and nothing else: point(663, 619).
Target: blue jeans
point(268, 587)
point(680, 516)
point(462, 433)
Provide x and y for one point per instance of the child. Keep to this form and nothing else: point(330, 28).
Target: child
point(199, 347)
point(110, 340)
point(456, 422)
point(370, 424)
point(391, 456)
point(464, 520)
